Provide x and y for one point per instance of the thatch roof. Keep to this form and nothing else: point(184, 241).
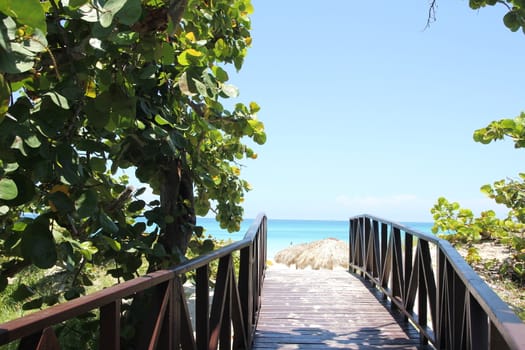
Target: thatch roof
point(327, 253)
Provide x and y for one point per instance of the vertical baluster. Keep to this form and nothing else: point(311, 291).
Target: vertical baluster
point(202, 302)
point(397, 268)
point(375, 250)
point(409, 251)
point(219, 301)
point(110, 326)
point(246, 289)
point(365, 251)
point(384, 246)
point(226, 322)
point(422, 290)
point(479, 326)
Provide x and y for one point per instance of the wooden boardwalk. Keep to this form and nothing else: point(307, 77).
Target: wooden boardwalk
point(324, 309)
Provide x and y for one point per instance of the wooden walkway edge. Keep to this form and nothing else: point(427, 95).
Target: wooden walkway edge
point(325, 309)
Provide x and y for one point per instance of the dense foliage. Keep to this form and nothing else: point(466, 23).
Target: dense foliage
point(95, 91)
point(460, 224)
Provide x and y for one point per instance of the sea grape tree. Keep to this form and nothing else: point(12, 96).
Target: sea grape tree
point(95, 91)
point(451, 218)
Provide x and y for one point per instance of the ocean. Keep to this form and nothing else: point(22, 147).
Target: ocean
point(283, 233)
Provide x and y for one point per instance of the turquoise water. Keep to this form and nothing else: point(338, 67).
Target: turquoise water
point(283, 233)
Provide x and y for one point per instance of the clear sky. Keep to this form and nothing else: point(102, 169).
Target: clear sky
point(366, 111)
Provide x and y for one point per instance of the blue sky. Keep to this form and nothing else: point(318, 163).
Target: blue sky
point(366, 111)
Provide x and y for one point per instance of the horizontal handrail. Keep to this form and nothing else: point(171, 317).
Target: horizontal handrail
point(427, 280)
point(234, 306)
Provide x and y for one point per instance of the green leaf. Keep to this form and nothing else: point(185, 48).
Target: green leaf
point(508, 123)
point(5, 95)
point(220, 74)
point(113, 244)
point(38, 244)
point(4, 209)
point(110, 9)
point(28, 12)
point(87, 249)
point(26, 189)
point(230, 90)
point(32, 141)
point(22, 292)
point(107, 224)
point(58, 99)
point(33, 304)
point(254, 107)
point(136, 206)
point(126, 38)
point(511, 20)
point(161, 121)
point(87, 204)
point(186, 86)
point(486, 189)
point(61, 202)
point(189, 57)
point(97, 164)
point(167, 54)
point(8, 189)
point(114, 6)
point(105, 19)
point(75, 4)
point(130, 12)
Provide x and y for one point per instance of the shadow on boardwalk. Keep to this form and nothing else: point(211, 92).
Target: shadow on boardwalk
point(321, 309)
point(317, 338)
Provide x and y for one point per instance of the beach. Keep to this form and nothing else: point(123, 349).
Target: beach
point(284, 233)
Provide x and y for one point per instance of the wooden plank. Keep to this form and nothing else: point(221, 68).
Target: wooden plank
point(320, 309)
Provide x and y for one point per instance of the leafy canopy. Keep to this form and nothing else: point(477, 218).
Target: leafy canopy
point(460, 224)
point(90, 88)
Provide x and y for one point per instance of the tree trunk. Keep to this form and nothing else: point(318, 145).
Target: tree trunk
point(177, 203)
point(176, 199)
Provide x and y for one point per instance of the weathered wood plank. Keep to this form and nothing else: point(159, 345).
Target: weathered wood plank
point(320, 309)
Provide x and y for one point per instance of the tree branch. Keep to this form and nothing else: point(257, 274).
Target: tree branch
point(431, 13)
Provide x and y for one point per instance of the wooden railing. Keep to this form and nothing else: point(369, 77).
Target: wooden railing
point(426, 279)
point(229, 323)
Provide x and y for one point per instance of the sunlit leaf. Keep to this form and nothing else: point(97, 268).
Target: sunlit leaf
point(32, 141)
point(113, 244)
point(28, 12)
point(184, 85)
point(58, 99)
point(220, 74)
point(26, 189)
point(87, 249)
point(4, 209)
point(230, 90)
point(8, 189)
